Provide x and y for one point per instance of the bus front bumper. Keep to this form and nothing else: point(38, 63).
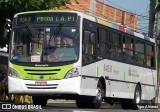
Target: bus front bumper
point(63, 86)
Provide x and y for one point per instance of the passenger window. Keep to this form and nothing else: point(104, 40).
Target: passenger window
point(139, 52)
point(115, 45)
point(102, 42)
point(150, 55)
point(128, 49)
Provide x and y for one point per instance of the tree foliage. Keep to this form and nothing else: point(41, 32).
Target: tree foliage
point(9, 7)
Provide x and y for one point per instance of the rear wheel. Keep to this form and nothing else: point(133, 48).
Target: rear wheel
point(137, 98)
point(39, 100)
point(133, 104)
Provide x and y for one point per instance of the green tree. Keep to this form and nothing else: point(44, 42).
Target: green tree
point(9, 7)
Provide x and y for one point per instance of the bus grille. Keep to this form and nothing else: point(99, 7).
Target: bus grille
point(49, 86)
point(42, 72)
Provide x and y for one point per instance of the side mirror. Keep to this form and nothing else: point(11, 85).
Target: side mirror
point(92, 38)
point(7, 27)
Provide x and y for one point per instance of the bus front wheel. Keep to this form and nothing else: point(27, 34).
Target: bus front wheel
point(39, 100)
point(91, 101)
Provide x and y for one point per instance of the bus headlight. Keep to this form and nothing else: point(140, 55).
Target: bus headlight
point(72, 73)
point(13, 73)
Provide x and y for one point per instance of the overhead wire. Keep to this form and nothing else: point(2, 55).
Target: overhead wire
point(141, 17)
point(125, 9)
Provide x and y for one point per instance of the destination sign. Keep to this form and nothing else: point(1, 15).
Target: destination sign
point(56, 17)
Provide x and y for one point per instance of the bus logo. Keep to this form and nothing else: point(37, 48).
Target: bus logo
point(41, 77)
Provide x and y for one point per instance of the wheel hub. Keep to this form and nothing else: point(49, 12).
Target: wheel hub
point(137, 97)
point(99, 94)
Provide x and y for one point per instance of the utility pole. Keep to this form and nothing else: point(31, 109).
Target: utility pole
point(158, 54)
point(157, 35)
point(151, 18)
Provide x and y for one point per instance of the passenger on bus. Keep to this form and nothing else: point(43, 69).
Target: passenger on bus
point(61, 41)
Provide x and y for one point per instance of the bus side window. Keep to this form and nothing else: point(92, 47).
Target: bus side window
point(115, 45)
point(150, 55)
point(139, 52)
point(102, 42)
point(128, 49)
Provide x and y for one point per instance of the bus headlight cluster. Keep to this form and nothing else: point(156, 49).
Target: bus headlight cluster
point(72, 73)
point(13, 73)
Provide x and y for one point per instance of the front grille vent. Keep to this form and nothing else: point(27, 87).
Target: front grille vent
point(42, 71)
point(48, 86)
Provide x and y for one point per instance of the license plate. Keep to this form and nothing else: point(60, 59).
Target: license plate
point(41, 83)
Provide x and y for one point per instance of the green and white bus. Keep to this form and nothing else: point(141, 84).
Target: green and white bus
point(95, 60)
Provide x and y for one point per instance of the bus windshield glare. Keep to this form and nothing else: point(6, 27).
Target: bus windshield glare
point(45, 44)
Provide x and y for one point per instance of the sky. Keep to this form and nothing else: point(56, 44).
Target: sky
point(138, 7)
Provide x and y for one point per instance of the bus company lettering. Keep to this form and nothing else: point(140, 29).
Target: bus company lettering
point(132, 72)
point(115, 72)
point(55, 19)
point(108, 68)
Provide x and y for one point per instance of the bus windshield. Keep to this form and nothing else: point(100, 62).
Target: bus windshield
point(45, 44)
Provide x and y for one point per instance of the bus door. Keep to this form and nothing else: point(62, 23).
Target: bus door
point(88, 60)
point(104, 68)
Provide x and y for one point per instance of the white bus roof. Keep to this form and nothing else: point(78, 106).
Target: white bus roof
point(115, 26)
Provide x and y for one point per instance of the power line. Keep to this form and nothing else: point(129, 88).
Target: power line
point(141, 17)
point(101, 14)
point(125, 9)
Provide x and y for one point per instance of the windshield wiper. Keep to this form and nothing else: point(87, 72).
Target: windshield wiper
point(57, 31)
point(30, 29)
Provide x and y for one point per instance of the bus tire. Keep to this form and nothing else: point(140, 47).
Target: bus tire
point(97, 100)
point(137, 98)
point(39, 100)
point(91, 101)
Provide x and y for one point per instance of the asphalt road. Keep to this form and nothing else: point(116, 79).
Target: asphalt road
point(67, 107)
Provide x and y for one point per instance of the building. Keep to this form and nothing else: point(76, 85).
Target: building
point(98, 8)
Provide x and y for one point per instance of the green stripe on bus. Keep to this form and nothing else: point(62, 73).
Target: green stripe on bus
point(42, 73)
point(97, 71)
point(124, 76)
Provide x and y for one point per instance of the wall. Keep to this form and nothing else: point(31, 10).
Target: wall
point(97, 8)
